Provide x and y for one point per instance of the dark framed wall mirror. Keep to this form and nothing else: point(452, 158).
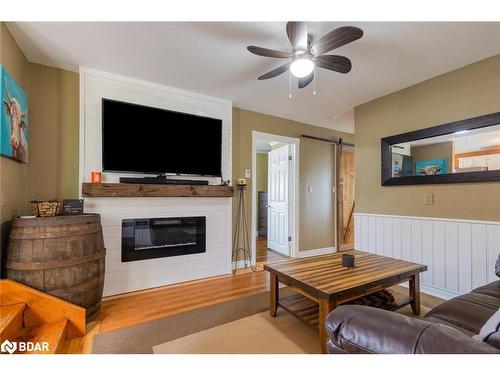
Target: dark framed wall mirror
point(462, 151)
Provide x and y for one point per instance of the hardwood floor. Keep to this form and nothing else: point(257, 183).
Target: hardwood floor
point(266, 255)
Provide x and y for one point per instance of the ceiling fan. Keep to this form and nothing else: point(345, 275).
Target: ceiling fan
point(306, 55)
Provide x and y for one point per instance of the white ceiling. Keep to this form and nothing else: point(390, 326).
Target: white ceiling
point(211, 58)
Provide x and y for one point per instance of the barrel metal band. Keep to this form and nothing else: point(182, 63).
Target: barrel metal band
point(39, 235)
point(55, 263)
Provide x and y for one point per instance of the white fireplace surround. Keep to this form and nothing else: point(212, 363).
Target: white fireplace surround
point(131, 276)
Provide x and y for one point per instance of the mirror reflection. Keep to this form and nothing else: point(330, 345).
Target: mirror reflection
point(464, 151)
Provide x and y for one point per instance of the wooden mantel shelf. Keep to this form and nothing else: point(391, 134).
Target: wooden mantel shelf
point(151, 190)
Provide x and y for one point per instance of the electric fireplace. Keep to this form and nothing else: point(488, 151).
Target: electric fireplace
point(162, 237)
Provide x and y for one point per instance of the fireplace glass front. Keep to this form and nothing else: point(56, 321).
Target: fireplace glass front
point(162, 237)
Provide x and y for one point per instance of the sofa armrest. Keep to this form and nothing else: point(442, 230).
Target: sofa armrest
point(362, 329)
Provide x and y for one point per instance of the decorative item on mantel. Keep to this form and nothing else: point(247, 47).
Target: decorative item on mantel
point(241, 229)
point(96, 177)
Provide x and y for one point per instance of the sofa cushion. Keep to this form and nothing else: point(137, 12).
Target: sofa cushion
point(468, 312)
point(446, 323)
point(441, 339)
point(491, 289)
point(361, 329)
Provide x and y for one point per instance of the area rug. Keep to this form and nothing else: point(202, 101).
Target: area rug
point(238, 326)
point(256, 334)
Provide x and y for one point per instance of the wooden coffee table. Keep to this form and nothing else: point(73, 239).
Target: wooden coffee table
point(327, 284)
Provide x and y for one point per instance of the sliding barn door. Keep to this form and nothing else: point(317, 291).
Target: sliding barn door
point(346, 197)
point(278, 170)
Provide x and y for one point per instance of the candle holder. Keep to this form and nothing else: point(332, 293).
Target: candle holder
point(348, 260)
point(96, 177)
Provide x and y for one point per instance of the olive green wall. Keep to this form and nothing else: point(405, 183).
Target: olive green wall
point(54, 126)
point(470, 91)
point(13, 175)
point(261, 171)
point(316, 170)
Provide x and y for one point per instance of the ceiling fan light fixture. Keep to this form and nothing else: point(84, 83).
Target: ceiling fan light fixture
point(302, 66)
point(307, 54)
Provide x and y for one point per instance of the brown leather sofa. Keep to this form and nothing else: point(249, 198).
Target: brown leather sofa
point(448, 328)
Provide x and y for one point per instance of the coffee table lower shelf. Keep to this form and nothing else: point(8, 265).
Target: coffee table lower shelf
point(307, 310)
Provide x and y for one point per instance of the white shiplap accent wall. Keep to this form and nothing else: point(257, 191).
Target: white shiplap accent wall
point(124, 277)
point(460, 254)
point(129, 276)
point(96, 85)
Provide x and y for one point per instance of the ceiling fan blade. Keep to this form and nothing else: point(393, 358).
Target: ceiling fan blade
point(337, 38)
point(303, 82)
point(275, 72)
point(297, 34)
point(266, 52)
point(336, 63)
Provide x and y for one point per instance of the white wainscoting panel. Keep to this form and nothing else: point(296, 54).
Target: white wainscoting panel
point(460, 254)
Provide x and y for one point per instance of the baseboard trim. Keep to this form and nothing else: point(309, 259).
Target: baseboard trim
point(316, 252)
point(301, 254)
point(241, 264)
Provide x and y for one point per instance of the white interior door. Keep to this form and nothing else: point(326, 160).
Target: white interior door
point(277, 219)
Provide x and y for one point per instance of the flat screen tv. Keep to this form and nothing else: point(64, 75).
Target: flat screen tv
point(141, 139)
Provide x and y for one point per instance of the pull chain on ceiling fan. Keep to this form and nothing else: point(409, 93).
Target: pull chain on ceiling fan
point(306, 56)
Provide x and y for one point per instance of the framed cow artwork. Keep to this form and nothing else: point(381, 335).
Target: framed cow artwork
point(13, 119)
point(431, 167)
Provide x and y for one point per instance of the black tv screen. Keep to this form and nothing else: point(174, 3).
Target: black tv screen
point(140, 139)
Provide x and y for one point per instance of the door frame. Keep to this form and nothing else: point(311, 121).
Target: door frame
point(293, 212)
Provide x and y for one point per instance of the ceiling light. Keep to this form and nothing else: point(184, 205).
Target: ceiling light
point(302, 66)
point(461, 132)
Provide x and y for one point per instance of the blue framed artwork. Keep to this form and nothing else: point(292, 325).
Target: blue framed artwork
point(13, 119)
point(430, 167)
